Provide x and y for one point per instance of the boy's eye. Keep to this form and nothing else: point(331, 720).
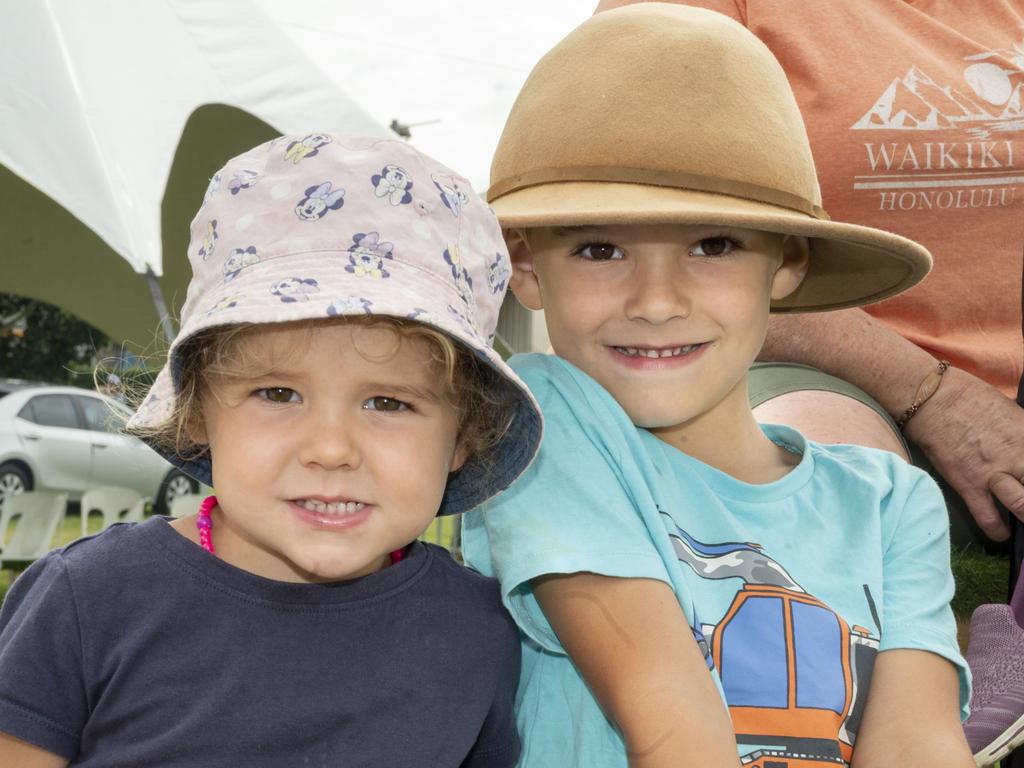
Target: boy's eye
point(386, 404)
point(714, 246)
point(278, 394)
point(598, 252)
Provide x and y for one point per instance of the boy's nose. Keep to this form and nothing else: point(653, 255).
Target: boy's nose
point(657, 293)
point(329, 442)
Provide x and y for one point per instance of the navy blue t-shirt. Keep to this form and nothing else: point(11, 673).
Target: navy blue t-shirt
point(137, 648)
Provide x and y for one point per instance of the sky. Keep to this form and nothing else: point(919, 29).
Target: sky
point(455, 66)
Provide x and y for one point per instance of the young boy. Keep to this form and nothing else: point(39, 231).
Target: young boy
point(659, 198)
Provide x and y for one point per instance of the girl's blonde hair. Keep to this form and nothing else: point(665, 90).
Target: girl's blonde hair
point(482, 400)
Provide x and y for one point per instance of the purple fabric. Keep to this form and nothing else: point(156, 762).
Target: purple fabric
point(995, 655)
point(1017, 603)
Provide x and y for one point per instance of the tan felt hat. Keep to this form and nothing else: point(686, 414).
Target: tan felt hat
point(661, 113)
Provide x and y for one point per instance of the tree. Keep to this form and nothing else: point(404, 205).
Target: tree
point(41, 342)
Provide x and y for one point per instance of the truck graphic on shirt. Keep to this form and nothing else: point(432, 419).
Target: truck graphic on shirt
point(795, 673)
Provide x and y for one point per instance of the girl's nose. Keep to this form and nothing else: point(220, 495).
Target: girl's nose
point(329, 441)
point(657, 291)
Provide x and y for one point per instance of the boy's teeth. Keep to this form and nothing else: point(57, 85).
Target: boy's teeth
point(340, 508)
point(655, 353)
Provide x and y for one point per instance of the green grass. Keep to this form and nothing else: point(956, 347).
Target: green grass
point(980, 578)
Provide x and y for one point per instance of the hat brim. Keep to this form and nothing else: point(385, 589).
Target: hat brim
point(850, 265)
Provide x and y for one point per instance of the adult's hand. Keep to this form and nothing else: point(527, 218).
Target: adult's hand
point(974, 436)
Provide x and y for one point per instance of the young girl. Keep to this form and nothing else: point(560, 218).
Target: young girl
point(333, 381)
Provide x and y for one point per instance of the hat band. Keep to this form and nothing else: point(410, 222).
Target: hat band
point(675, 179)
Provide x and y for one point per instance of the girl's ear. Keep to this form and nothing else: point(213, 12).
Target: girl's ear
point(524, 280)
point(195, 429)
point(460, 456)
point(792, 269)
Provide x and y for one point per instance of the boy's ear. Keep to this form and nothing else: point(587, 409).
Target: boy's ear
point(796, 254)
point(524, 280)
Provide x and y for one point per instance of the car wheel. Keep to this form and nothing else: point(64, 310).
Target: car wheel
point(14, 479)
point(175, 484)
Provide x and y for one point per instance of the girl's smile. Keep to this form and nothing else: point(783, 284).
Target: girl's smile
point(332, 516)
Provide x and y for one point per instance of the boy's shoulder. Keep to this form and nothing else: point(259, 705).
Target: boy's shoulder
point(565, 393)
point(548, 371)
point(543, 371)
point(839, 466)
point(863, 458)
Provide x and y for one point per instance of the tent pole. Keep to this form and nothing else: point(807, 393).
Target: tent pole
point(161, 306)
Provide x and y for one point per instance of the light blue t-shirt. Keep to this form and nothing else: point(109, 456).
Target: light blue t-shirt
point(791, 588)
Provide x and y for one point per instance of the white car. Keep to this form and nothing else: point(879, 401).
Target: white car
point(70, 439)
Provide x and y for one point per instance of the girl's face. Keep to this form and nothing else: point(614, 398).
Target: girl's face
point(334, 458)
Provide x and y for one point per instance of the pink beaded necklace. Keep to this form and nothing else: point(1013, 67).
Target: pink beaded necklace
point(205, 525)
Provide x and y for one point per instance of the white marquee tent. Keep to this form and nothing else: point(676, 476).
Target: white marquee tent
point(114, 114)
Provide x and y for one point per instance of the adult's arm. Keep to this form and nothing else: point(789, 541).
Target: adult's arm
point(971, 432)
point(912, 716)
point(632, 645)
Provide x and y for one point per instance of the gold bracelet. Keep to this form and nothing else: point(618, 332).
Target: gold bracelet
point(928, 387)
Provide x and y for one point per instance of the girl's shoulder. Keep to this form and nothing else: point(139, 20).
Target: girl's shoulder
point(115, 547)
point(461, 590)
point(88, 578)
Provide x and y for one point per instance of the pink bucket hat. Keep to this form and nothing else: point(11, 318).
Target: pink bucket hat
point(321, 226)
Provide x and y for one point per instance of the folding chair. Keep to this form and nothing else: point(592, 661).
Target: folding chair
point(111, 502)
point(137, 513)
point(35, 516)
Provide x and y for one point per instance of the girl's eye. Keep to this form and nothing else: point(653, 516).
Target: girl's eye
point(385, 404)
point(715, 246)
point(279, 395)
point(598, 252)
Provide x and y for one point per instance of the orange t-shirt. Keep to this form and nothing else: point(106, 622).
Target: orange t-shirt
point(915, 113)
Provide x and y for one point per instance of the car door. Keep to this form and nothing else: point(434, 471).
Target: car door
point(118, 459)
point(51, 432)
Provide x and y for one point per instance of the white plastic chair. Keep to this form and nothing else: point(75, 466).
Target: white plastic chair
point(35, 516)
point(186, 505)
point(110, 501)
point(137, 513)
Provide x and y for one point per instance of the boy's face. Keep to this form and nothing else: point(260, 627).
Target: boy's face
point(336, 457)
point(668, 318)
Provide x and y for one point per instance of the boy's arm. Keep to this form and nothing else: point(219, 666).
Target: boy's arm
point(24, 755)
point(632, 645)
point(912, 717)
point(918, 687)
